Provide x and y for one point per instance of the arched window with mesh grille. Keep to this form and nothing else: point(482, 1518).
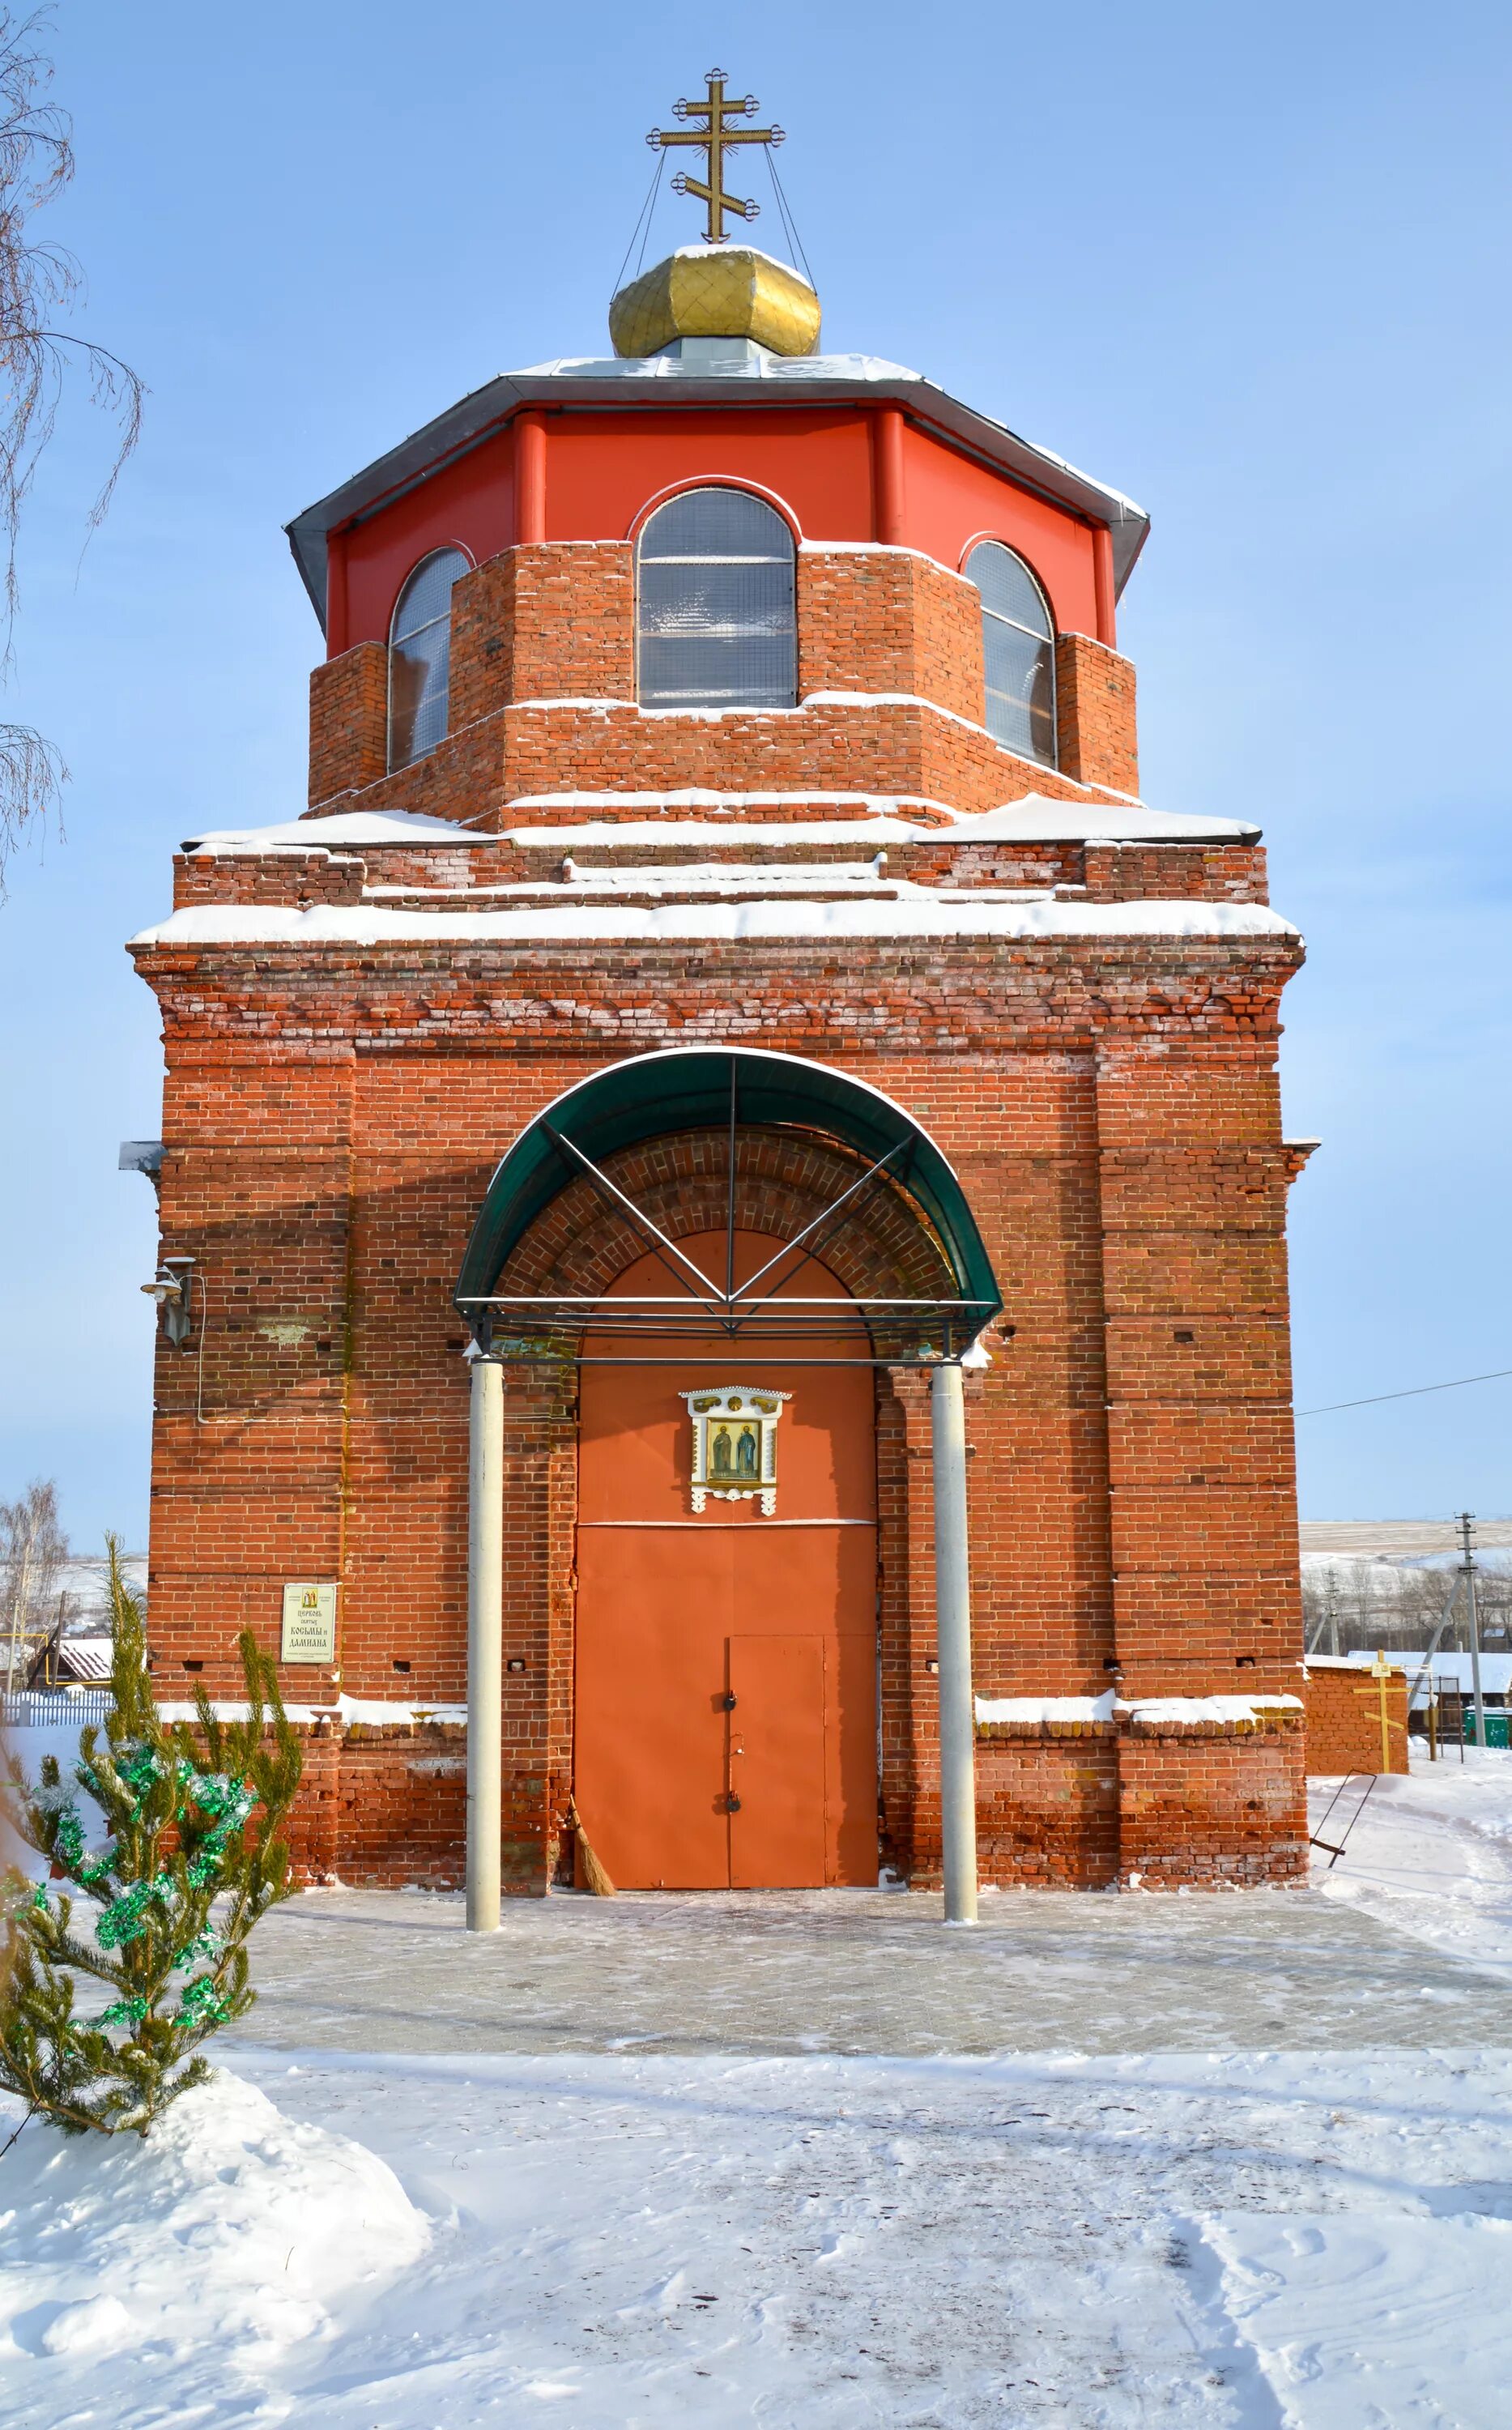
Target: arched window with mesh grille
point(420, 656)
point(717, 624)
point(1018, 648)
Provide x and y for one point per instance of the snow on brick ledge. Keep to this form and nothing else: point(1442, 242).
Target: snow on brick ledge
point(351, 1712)
point(250, 923)
point(1075, 1716)
point(1217, 1715)
point(1039, 1715)
point(354, 829)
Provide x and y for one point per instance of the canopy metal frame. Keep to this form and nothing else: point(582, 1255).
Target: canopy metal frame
point(526, 1328)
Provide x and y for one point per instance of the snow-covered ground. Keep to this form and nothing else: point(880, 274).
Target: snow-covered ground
point(628, 2240)
point(626, 2243)
point(1431, 1854)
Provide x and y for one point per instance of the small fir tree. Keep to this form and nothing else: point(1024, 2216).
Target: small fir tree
point(192, 1861)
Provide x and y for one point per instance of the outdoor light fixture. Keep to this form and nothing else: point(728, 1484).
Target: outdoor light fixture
point(171, 1288)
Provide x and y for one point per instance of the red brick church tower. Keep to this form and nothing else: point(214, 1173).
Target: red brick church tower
point(725, 1008)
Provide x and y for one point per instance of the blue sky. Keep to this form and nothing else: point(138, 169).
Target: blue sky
point(1247, 264)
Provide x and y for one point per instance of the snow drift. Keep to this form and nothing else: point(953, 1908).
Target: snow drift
point(230, 2227)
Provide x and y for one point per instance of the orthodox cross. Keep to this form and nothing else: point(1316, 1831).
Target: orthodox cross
point(1382, 1672)
point(713, 140)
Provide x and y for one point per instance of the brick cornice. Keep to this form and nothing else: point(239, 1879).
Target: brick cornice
point(1118, 993)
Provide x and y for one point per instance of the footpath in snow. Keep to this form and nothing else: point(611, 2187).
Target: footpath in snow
point(1431, 1854)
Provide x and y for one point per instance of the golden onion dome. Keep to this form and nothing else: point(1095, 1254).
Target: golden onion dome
point(728, 291)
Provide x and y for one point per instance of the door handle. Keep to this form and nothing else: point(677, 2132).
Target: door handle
point(732, 1804)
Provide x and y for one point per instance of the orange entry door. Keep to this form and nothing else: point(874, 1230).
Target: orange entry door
point(777, 1762)
point(678, 1611)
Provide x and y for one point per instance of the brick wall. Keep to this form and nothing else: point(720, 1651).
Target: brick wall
point(1204, 1809)
point(1047, 1806)
point(889, 620)
point(1344, 1719)
point(557, 623)
point(332, 1117)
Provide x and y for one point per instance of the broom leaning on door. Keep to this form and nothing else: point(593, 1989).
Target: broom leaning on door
point(593, 1877)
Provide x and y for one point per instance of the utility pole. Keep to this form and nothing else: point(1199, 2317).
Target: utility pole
point(1467, 1531)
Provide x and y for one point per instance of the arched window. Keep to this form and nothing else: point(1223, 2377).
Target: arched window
point(1018, 645)
point(715, 593)
point(420, 656)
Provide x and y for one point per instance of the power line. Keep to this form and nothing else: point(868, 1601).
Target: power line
point(1412, 1393)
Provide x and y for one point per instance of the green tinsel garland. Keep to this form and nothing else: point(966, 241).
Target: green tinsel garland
point(191, 1819)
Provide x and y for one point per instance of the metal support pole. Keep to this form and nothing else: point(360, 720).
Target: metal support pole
point(953, 1626)
point(1473, 1617)
point(485, 1640)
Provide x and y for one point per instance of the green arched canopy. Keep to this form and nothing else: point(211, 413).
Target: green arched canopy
point(651, 1096)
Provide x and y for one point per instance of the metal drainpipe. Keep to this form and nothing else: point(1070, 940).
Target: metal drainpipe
point(485, 1641)
point(953, 1622)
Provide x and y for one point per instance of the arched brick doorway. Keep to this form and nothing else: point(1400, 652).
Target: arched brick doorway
point(832, 1238)
point(726, 1661)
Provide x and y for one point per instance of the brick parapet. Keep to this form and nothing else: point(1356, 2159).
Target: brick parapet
point(450, 877)
point(1095, 713)
point(864, 743)
point(348, 722)
point(300, 879)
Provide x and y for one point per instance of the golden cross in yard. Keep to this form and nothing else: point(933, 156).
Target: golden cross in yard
point(1382, 1672)
point(713, 139)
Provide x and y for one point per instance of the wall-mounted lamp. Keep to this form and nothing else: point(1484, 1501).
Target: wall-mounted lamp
point(171, 1288)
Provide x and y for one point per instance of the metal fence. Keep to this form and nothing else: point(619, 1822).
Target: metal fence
point(53, 1707)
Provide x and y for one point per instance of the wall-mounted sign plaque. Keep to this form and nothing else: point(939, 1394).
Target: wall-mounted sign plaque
point(735, 1443)
point(310, 1623)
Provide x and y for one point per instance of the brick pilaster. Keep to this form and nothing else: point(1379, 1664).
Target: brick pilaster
point(348, 722)
point(1095, 713)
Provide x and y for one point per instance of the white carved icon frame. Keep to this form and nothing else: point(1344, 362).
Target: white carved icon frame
point(735, 1443)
